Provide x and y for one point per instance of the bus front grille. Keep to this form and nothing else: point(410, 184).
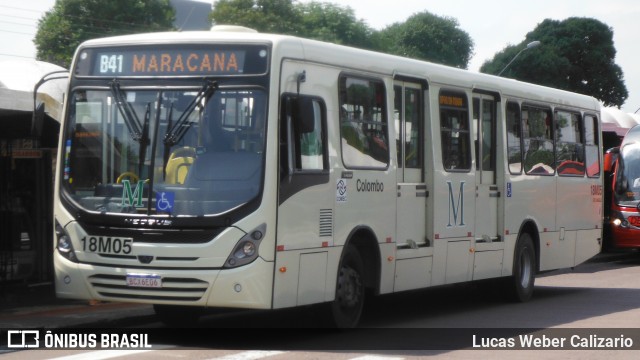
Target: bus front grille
point(173, 289)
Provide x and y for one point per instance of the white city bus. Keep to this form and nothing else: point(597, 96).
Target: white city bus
point(246, 170)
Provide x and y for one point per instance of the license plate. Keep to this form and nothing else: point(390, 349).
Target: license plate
point(144, 280)
point(107, 245)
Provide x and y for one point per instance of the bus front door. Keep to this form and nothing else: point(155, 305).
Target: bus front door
point(412, 190)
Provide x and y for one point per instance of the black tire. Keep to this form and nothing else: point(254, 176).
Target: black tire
point(178, 316)
point(524, 269)
point(347, 307)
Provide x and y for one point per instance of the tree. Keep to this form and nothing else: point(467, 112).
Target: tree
point(71, 22)
point(313, 20)
point(428, 37)
point(423, 36)
point(333, 23)
point(576, 54)
point(270, 16)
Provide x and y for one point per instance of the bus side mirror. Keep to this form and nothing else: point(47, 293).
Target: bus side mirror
point(304, 115)
point(37, 122)
point(610, 157)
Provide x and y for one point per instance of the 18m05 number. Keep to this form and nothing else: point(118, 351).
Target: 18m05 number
point(107, 245)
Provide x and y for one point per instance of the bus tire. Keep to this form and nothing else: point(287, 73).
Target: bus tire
point(177, 316)
point(347, 307)
point(524, 269)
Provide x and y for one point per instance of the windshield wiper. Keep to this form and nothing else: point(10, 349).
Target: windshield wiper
point(165, 155)
point(128, 113)
point(176, 132)
point(144, 138)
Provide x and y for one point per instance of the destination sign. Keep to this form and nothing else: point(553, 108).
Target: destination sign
point(173, 61)
point(450, 100)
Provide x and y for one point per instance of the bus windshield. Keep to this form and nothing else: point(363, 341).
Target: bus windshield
point(630, 155)
point(178, 152)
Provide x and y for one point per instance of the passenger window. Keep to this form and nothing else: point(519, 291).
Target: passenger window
point(363, 123)
point(569, 144)
point(310, 143)
point(514, 136)
point(592, 155)
point(454, 131)
point(537, 133)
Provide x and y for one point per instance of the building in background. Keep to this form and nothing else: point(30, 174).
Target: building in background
point(615, 124)
point(27, 155)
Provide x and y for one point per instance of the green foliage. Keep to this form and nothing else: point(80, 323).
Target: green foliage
point(269, 16)
point(576, 54)
point(352, 137)
point(313, 20)
point(332, 23)
point(423, 36)
point(540, 156)
point(537, 124)
point(71, 22)
point(428, 37)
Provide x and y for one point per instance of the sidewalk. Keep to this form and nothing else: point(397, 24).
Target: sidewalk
point(15, 297)
point(36, 306)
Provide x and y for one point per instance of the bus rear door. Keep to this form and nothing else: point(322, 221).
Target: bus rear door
point(484, 119)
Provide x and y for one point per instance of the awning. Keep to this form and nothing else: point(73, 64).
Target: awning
point(615, 120)
point(17, 80)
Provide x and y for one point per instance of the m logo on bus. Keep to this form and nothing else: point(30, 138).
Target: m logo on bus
point(456, 207)
point(132, 198)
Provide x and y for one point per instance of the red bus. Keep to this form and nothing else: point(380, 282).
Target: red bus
point(622, 194)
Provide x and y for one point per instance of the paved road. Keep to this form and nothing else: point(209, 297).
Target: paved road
point(603, 294)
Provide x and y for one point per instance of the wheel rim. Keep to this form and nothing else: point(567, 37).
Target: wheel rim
point(525, 268)
point(349, 293)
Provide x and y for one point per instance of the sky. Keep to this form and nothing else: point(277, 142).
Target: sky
point(492, 25)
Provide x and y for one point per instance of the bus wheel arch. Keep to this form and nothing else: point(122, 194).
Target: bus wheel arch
point(365, 242)
point(531, 228)
point(358, 273)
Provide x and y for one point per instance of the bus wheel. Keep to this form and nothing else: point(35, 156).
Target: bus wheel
point(347, 306)
point(524, 269)
point(177, 316)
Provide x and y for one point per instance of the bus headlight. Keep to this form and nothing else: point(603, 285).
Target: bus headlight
point(64, 245)
point(617, 219)
point(246, 250)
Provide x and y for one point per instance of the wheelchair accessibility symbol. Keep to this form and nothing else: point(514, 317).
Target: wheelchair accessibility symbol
point(165, 201)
